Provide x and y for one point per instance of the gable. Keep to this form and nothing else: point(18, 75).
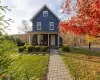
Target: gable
point(45, 8)
point(45, 22)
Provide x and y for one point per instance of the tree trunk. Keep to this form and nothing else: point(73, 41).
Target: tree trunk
point(75, 44)
point(89, 45)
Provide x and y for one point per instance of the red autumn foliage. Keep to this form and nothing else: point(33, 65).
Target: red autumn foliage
point(87, 19)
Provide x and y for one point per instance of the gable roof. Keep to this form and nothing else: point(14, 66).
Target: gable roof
point(42, 9)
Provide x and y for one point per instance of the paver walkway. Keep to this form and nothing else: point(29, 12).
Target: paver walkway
point(56, 67)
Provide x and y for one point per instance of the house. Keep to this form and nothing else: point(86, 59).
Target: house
point(22, 37)
point(45, 30)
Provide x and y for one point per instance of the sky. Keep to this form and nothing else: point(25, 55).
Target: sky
point(26, 9)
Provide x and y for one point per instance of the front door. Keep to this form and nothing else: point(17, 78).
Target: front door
point(53, 40)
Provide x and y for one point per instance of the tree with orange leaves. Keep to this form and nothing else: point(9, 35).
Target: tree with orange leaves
point(87, 18)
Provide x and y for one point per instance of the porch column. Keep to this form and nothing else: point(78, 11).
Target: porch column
point(29, 39)
point(38, 40)
point(58, 40)
point(48, 39)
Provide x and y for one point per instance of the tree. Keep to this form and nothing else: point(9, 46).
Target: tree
point(87, 18)
point(0, 33)
point(5, 45)
point(24, 28)
point(4, 23)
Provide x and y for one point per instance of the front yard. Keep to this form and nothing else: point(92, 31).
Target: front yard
point(27, 67)
point(82, 64)
point(22, 63)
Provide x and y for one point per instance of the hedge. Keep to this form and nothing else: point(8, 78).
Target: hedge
point(66, 49)
point(37, 48)
point(30, 48)
point(21, 49)
point(44, 48)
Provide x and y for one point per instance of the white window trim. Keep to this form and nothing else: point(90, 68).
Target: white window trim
point(37, 26)
point(44, 12)
point(50, 25)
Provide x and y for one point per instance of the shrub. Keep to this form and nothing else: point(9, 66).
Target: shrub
point(26, 45)
point(37, 48)
point(30, 48)
point(19, 42)
point(59, 47)
point(43, 53)
point(5, 62)
point(44, 48)
point(7, 46)
point(66, 49)
point(21, 49)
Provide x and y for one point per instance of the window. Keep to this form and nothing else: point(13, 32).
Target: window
point(41, 39)
point(45, 13)
point(51, 25)
point(38, 25)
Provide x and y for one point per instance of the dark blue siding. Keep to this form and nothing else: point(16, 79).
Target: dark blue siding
point(45, 22)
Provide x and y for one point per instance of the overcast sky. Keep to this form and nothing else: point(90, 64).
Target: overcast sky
point(25, 9)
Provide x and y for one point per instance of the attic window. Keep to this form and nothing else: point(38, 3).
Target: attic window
point(45, 13)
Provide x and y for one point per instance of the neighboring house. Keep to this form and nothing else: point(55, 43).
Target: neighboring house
point(45, 30)
point(22, 37)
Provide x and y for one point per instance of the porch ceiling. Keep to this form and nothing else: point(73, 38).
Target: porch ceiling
point(42, 32)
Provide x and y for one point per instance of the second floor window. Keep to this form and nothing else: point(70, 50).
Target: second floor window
point(45, 13)
point(51, 25)
point(38, 25)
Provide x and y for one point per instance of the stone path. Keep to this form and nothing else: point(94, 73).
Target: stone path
point(56, 67)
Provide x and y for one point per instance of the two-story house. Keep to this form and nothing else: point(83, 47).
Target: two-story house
point(45, 30)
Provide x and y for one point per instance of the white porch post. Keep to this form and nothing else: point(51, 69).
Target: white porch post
point(48, 39)
point(38, 39)
point(58, 40)
point(29, 39)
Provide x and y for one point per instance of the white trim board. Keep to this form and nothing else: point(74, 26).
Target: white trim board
point(42, 9)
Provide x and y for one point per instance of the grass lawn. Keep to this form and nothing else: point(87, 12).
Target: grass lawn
point(28, 67)
point(83, 64)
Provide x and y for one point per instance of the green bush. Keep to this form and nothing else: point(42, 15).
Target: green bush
point(59, 47)
point(7, 47)
point(5, 62)
point(44, 48)
point(37, 48)
point(30, 48)
point(21, 49)
point(26, 45)
point(66, 49)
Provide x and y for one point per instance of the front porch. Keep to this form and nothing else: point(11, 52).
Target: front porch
point(45, 39)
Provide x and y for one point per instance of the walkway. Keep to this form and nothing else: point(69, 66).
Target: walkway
point(56, 68)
